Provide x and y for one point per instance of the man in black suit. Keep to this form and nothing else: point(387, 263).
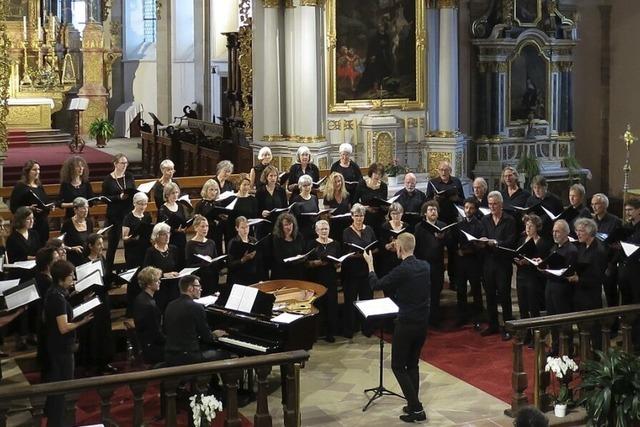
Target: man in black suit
point(499, 230)
point(186, 328)
point(409, 284)
point(411, 200)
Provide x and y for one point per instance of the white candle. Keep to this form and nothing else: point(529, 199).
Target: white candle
point(24, 28)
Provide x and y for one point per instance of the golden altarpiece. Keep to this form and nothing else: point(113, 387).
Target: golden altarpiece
point(50, 61)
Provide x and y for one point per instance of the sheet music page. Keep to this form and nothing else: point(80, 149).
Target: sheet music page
point(95, 278)
point(629, 248)
point(85, 307)
point(88, 268)
point(22, 297)
point(235, 296)
point(208, 300)
point(146, 187)
point(377, 307)
point(558, 272)
point(286, 318)
point(27, 265)
point(5, 285)
point(128, 275)
point(187, 271)
point(225, 195)
point(205, 257)
point(232, 205)
point(248, 298)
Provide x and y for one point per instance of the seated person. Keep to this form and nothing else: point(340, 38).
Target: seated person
point(148, 317)
point(186, 328)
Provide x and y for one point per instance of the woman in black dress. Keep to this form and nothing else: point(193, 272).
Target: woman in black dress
point(223, 170)
point(264, 160)
point(119, 187)
point(287, 242)
point(74, 182)
point(244, 259)
point(201, 245)
point(387, 259)
point(270, 196)
point(30, 192)
point(370, 188)
point(306, 204)
point(348, 169)
point(336, 197)
point(176, 215)
point(76, 230)
point(136, 231)
point(208, 207)
point(60, 338)
point(168, 169)
point(323, 271)
point(355, 273)
point(246, 205)
point(303, 167)
point(167, 258)
point(96, 341)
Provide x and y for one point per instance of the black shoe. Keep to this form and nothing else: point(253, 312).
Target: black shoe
point(506, 336)
point(412, 417)
point(330, 339)
point(406, 410)
point(489, 331)
point(476, 326)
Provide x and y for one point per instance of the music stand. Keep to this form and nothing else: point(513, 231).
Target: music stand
point(77, 105)
point(378, 309)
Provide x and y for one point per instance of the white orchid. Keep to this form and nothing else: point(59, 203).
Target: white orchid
point(561, 366)
point(204, 406)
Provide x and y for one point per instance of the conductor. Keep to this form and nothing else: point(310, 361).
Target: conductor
point(409, 284)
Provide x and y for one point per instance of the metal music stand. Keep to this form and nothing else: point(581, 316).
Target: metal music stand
point(379, 309)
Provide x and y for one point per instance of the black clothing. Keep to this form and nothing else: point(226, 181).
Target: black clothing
point(338, 225)
point(23, 195)
point(69, 192)
point(530, 283)
point(285, 249)
point(207, 209)
point(552, 204)
point(175, 219)
point(186, 328)
point(468, 269)
point(387, 259)
point(431, 249)
point(158, 193)
point(242, 273)
point(73, 237)
point(296, 171)
point(119, 191)
point(447, 212)
point(629, 273)
point(208, 273)
point(148, 320)
point(305, 222)
point(327, 276)
point(19, 248)
point(168, 261)
point(409, 282)
point(257, 173)
point(591, 263)
point(246, 207)
point(140, 232)
point(266, 202)
point(228, 185)
point(364, 195)
point(497, 267)
point(518, 198)
point(352, 176)
point(411, 202)
point(56, 304)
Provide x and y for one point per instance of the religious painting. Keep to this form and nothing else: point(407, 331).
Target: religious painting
point(529, 71)
point(375, 54)
point(527, 13)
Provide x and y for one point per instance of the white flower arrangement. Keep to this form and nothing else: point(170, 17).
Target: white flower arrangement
point(203, 406)
point(561, 368)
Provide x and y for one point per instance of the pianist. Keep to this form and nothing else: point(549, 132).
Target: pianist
point(188, 337)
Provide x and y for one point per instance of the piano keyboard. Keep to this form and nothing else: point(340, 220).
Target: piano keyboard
point(243, 344)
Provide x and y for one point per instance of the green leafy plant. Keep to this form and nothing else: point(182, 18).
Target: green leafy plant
point(101, 128)
point(572, 165)
point(394, 168)
point(528, 165)
point(610, 389)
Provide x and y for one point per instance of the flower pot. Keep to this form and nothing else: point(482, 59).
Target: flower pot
point(392, 181)
point(560, 410)
point(101, 141)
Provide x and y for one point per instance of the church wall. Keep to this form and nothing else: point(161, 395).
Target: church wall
point(139, 79)
point(625, 91)
point(182, 58)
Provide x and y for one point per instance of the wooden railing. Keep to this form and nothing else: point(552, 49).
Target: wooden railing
point(196, 374)
point(540, 327)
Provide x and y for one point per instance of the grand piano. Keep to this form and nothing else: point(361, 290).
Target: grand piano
point(256, 333)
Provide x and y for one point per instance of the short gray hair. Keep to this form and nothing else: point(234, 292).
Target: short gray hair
point(602, 197)
point(80, 202)
point(359, 209)
point(166, 163)
point(590, 225)
point(225, 164)
point(140, 197)
point(345, 148)
point(564, 224)
point(540, 181)
point(481, 181)
point(320, 222)
point(495, 195)
point(264, 151)
point(579, 188)
point(303, 149)
point(305, 179)
point(159, 228)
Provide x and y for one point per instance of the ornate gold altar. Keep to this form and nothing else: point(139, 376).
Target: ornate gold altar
point(44, 56)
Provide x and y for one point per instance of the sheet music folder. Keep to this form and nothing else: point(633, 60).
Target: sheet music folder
point(246, 299)
point(19, 295)
point(378, 308)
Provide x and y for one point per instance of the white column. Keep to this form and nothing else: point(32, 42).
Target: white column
point(307, 71)
point(269, 60)
point(290, 38)
point(202, 56)
point(448, 67)
point(433, 57)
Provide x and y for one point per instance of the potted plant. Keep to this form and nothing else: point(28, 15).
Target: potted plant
point(528, 165)
point(392, 170)
point(562, 368)
point(102, 130)
point(203, 409)
point(610, 389)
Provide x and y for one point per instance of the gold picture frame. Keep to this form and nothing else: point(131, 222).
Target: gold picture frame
point(527, 13)
point(338, 103)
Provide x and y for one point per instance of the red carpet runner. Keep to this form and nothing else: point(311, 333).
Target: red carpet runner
point(484, 362)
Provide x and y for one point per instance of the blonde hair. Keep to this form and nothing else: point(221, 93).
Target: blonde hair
point(329, 188)
point(407, 242)
point(208, 184)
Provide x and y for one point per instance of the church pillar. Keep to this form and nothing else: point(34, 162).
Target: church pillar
point(202, 56)
point(163, 62)
point(268, 62)
point(433, 56)
point(93, 76)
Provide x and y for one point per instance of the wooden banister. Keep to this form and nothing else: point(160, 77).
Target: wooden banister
point(230, 369)
point(539, 326)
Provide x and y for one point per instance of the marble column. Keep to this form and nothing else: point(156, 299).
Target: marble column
point(433, 57)
point(290, 37)
point(448, 67)
point(268, 99)
point(163, 62)
point(202, 56)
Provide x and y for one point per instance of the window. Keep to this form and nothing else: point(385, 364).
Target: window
point(149, 16)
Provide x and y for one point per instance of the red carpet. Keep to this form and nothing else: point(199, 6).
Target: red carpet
point(484, 362)
point(17, 138)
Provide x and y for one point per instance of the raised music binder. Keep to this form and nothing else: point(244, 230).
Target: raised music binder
point(210, 260)
point(226, 195)
point(103, 229)
point(88, 268)
point(128, 275)
point(85, 308)
point(146, 187)
point(241, 298)
point(366, 248)
point(298, 258)
point(41, 204)
point(104, 199)
point(92, 279)
point(437, 229)
point(340, 259)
